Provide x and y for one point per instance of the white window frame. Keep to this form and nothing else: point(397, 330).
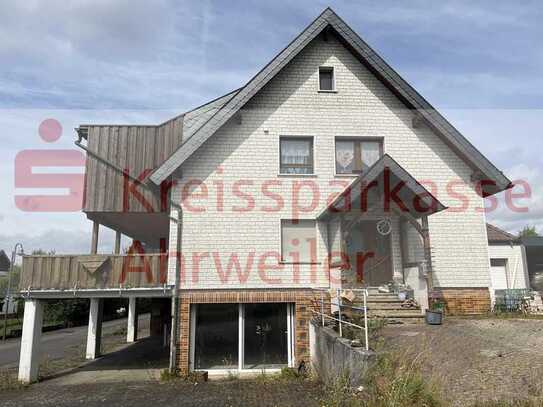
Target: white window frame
point(241, 342)
point(296, 136)
point(317, 248)
point(330, 69)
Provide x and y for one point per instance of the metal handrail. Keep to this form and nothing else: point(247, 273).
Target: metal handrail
point(340, 305)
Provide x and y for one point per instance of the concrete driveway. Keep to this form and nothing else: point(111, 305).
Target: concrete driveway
point(54, 344)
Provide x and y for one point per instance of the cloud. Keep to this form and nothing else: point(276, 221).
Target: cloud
point(134, 56)
point(523, 205)
point(61, 241)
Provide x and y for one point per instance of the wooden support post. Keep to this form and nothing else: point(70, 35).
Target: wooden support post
point(95, 230)
point(427, 249)
point(117, 242)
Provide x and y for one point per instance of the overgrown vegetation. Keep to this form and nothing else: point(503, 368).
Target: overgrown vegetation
point(8, 380)
point(166, 375)
point(374, 328)
point(395, 380)
point(286, 374)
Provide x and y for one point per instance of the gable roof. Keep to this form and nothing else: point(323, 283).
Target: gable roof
point(195, 118)
point(367, 56)
point(497, 235)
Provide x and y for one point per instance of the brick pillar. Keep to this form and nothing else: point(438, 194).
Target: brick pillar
point(184, 337)
point(301, 331)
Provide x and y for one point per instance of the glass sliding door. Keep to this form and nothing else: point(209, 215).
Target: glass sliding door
point(265, 330)
point(241, 336)
point(216, 339)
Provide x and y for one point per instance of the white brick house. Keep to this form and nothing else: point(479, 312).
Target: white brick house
point(326, 170)
point(247, 146)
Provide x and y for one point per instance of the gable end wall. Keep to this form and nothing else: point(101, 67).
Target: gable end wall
point(248, 149)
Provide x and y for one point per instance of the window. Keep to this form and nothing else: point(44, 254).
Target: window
point(498, 262)
point(296, 155)
point(216, 337)
point(298, 241)
point(326, 78)
point(266, 340)
point(355, 156)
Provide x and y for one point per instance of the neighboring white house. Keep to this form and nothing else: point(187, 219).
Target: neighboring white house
point(508, 264)
point(12, 306)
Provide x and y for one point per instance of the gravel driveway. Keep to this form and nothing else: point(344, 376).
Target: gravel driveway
point(178, 393)
point(477, 359)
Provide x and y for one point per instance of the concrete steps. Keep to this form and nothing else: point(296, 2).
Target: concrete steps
point(388, 306)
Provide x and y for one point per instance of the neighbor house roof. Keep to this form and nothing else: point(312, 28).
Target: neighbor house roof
point(328, 20)
point(4, 261)
point(497, 235)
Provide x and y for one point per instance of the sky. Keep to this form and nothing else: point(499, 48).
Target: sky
point(135, 61)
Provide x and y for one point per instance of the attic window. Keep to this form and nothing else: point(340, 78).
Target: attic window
point(326, 79)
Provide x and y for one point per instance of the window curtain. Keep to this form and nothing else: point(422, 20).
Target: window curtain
point(344, 157)
point(296, 152)
point(371, 152)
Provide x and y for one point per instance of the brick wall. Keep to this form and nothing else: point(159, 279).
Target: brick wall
point(463, 301)
point(304, 300)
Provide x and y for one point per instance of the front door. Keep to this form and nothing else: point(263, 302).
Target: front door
point(369, 254)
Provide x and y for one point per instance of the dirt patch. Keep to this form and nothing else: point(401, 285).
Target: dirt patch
point(475, 360)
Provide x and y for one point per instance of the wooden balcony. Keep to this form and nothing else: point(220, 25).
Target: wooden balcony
point(96, 272)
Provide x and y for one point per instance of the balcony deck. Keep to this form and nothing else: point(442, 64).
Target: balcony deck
point(80, 274)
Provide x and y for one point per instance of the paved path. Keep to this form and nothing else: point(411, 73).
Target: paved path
point(55, 343)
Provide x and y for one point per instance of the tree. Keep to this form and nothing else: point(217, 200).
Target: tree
point(528, 231)
point(15, 275)
point(41, 252)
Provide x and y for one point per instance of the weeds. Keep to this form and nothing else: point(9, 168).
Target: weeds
point(395, 380)
point(9, 381)
point(340, 394)
point(286, 374)
point(166, 375)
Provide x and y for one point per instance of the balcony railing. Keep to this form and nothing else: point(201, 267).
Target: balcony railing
point(93, 272)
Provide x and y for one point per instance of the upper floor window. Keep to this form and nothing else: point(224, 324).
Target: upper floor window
point(353, 156)
point(296, 155)
point(326, 78)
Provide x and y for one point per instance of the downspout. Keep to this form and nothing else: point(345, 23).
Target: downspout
point(175, 297)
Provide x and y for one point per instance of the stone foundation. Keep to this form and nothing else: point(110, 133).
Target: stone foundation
point(463, 301)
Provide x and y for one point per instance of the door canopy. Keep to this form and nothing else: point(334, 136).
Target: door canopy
point(385, 186)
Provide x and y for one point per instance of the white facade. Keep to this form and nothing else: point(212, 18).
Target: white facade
point(243, 158)
point(513, 257)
